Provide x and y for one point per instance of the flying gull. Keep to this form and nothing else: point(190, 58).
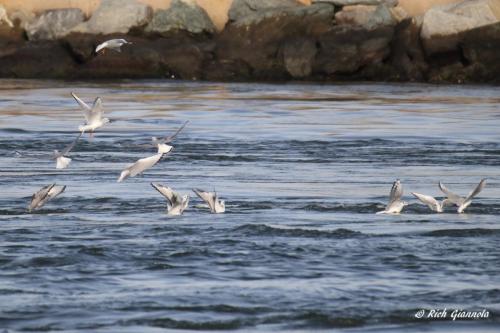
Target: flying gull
point(461, 202)
point(162, 143)
point(140, 166)
point(112, 44)
point(62, 162)
point(93, 115)
point(42, 196)
point(212, 199)
point(395, 204)
point(176, 204)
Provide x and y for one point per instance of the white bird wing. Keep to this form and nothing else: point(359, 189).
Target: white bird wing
point(452, 197)
point(428, 200)
point(87, 110)
point(39, 197)
point(71, 145)
point(96, 112)
point(208, 197)
point(396, 193)
point(143, 164)
point(55, 191)
point(166, 191)
point(476, 191)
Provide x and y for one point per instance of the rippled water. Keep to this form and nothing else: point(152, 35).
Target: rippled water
point(303, 169)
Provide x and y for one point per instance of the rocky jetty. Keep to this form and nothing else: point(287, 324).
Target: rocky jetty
point(327, 40)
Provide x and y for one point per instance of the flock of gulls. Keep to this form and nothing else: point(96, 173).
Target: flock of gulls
point(176, 203)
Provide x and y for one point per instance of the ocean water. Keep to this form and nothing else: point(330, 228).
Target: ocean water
point(303, 169)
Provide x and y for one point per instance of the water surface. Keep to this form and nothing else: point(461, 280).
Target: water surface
point(303, 169)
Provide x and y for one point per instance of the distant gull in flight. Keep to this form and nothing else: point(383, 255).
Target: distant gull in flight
point(176, 204)
point(461, 202)
point(112, 44)
point(42, 196)
point(93, 115)
point(212, 199)
point(395, 205)
point(162, 143)
point(140, 166)
point(62, 162)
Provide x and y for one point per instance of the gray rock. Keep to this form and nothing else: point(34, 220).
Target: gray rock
point(116, 16)
point(341, 3)
point(181, 16)
point(443, 26)
point(53, 24)
point(243, 8)
point(367, 17)
point(298, 56)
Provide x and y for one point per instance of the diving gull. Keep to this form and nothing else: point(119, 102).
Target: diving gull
point(42, 196)
point(395, 204)
point(62, 161)
point(93, 115)
point(162, 143)
point(176, 204)
point(140, 166)
point(212, 199)
point(461, 202)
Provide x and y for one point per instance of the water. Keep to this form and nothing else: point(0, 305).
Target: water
point(303, 169)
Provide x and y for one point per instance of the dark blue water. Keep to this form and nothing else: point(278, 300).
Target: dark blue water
point(303, 169)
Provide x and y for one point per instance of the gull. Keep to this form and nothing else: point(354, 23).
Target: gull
point(93, 115)
point(431, 202)
point(461, 202)
point(113, 44)
point(211, 198)
point(62, 162)
point(162, 143)
point(140, 166)
point(395, 204)
point(176, 204)
point(42, 196)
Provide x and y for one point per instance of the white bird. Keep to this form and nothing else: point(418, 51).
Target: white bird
point(93, 115)
point(176, 204)
point(62, 162)
point(162, 143)
point(42, 196)
point(431, 202)
point(211, 198)
point(139, 167)
point(461, 202)
point(395, 205)
point(112, 44)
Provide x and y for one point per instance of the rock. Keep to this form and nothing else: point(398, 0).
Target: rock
point(116, 16)
point(4, 18)
point(299, 56)
point(256, 40)
point(181, 16)
point(341, 3)
point(21, 18)
point(243, 8)
point(53, 24)
point(367, 17)
point(443, 25)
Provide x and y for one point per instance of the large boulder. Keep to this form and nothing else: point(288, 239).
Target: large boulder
point(181, 16)
point(53, 24)
point(298, 55)
point(243, 8)
point(116, 16)
point(342, 3)
point(444, 26)
point(367, 17)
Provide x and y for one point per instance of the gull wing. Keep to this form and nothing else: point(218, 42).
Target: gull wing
point(208, 197)
point(166, 191)
point(101, 46)
point(396, 193)
point(477, 190)
point(84, 106)
point(143, 164)
point(55, 191)
point(70, 146)
point(452, 197)
point(38, 199)
point(172, 137)
point(428, 200)
point(96, 112)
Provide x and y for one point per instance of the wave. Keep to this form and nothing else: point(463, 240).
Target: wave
point(266, 230)
point(475, 232)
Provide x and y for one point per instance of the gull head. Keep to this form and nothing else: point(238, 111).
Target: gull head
point(124, 175)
